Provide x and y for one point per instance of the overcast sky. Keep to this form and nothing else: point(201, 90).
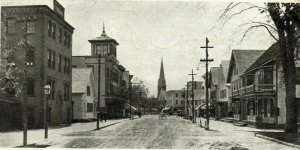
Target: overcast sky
point(150, 30)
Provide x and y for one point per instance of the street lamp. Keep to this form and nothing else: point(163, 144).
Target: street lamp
point(47, 90)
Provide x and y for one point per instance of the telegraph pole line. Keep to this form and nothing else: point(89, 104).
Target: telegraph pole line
point(187, 98)
point(193, 103)
point(206, 60)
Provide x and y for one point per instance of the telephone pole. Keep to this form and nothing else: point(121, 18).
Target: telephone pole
point(193, 103)
point(206, 60)
point(187, 98)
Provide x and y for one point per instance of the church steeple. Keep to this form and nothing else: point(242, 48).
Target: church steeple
point(161, 80)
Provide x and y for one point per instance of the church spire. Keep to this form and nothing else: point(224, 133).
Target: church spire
point(162, 73)
point(161, 86)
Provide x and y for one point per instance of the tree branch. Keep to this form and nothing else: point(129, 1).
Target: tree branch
point(257, 26)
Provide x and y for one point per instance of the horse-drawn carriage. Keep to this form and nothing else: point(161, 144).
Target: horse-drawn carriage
point(163, 113)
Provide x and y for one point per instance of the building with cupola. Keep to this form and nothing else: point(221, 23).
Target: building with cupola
point(114, 78)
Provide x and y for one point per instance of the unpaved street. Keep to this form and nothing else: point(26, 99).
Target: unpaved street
point(173, 132)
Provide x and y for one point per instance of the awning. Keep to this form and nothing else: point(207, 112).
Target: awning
point(166, 108)
point(131, 107)
point(203, 106)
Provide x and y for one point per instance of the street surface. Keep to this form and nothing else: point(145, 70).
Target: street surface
point(146, 132)
point(173, 132)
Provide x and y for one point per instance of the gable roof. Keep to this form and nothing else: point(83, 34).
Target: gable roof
point(243, 59)
point(268, 55)
point(215, 75)
point(224, 68)
point(80, 79)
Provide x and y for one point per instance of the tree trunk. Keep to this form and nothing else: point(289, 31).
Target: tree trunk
point(286, 33)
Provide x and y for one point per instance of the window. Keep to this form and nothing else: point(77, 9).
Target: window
point(30, 27)
point(65, 37)
point(59, 63)
point(268, 76)
point(53, 30)
point(49, 28)
point(30, 86)
point(88, 90)
point(98, 49)
point(30, 57)
point(68, 40)
point(65, 64)
point(66, 91)
point(90, 107)
point(223, 93)
point(60, 35)
point(49, 57)
point(52, 85)
point(265, 106)
point(68, 66)
point(176, 95)
point(11, 26)
point(105, 49)
point(53, 59)
point(176, 102)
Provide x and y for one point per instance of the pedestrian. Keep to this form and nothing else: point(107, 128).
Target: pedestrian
point(105, 114)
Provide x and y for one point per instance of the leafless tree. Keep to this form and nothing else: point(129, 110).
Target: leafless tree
point(282, 23)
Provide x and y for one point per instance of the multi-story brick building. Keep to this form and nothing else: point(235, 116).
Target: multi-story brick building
point(47, 59)
point(114, 79)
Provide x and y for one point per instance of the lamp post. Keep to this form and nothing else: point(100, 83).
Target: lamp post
point(47, 90)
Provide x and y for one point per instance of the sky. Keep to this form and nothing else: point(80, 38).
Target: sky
point(148, 31)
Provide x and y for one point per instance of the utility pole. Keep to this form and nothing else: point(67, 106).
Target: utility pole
point(25, 112)
point(98, 102)
point(206, 60)
point(193, 104)
point(187, 99)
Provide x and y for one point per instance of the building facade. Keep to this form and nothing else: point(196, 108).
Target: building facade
point(114, 79)
point(46, 57)
point(240, 60)
point(262, 94)
point(83, 94)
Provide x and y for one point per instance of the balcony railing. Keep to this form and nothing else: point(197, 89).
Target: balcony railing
point(254, 88)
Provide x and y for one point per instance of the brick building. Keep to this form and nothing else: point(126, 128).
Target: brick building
point(47, 59)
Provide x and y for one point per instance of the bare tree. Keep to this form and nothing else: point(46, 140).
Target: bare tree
point(282, 23)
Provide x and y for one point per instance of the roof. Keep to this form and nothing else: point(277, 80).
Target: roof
point(243, 59)
point(268, 55)
point(103, 38)
point(80, 78)
point(224, 68)
point(215, 75)
point(40, 6)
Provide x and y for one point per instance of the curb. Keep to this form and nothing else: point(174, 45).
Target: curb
point(108, 125)
point(277, 141)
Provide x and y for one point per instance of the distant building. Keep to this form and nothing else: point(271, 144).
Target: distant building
point(175, 100)
point(198, 97)
point(114, 79)
point(83, 94)
point(47, 59)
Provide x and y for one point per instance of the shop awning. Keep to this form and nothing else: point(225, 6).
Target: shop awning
point(131, 107)
point(166, 108)
point(203, 106)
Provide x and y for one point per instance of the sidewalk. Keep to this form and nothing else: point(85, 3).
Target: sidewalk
point(55, 135)
point(244, 136)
